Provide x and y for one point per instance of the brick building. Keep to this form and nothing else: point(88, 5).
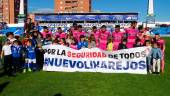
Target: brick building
point(72, 6)
point(9, 10)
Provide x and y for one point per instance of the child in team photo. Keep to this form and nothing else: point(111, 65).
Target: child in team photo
point(148, 58)
point(16, 50)
point(156, 55)
point(123, 45)
point(30, 62)
point(110, 45)
point(83, 43)
point(6, 54)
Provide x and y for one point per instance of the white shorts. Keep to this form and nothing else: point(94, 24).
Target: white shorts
point(26, 60)
point(31, 60)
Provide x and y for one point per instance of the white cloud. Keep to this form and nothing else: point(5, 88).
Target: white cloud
point(97, 11)
point(43, 10)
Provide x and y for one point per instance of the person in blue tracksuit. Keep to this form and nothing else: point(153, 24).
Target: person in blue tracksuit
point(83, 43)
point(30, 63)
point(33, 40)
point(16, 56)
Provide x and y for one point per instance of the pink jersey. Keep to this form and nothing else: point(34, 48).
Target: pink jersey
point(161, 42)
point(77, 34)
point(44, 34)
point(142, 41)
point(61, 35)
point(96, 35)
point(117, 39)
point(73, 46)
point(140, 35)
point(103, 40)
point(117, 36)
point(131, 33)
point(131, 37)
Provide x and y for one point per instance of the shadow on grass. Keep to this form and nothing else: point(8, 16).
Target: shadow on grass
point(58, 94)
point(2, 73)
point(3, 85)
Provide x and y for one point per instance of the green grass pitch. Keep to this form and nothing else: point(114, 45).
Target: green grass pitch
point(88, 84)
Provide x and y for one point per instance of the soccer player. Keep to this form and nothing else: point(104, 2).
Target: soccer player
point(77, 33)
point(60, 34)
point(147, 31)
point(16, 56)
point(141, 35)
point(45, 32)
point(96, 34)
point(73, 45)
point(30, 57)
point(103, 37)
point(131, 34)
point(33, 40)
point(117, 37)
point(161, 42)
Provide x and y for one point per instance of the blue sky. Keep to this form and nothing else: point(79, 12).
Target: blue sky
point(162, 7)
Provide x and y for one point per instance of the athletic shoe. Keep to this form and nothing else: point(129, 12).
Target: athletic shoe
point(29, 70)
point(24, 71)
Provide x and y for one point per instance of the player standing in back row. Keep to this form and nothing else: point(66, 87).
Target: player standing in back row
point(131, 34)
point(103, 37)
point(117, 37)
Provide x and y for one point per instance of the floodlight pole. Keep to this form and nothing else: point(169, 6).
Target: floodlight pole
point(150, 13)
point(21, 15)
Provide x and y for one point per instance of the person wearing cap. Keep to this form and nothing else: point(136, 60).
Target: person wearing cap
point(83, 43)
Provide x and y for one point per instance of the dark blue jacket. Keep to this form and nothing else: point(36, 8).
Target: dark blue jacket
point(16, 51)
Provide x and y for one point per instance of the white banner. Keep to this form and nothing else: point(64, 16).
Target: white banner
point(64, 59)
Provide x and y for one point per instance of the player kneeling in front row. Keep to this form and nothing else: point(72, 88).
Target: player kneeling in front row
point(30, 61)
